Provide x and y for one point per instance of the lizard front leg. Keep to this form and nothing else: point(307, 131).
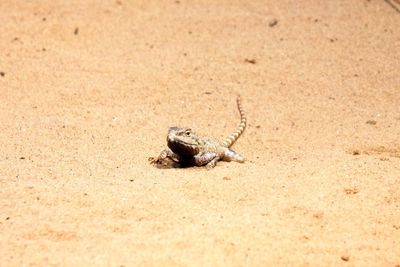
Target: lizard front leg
point(165, 155)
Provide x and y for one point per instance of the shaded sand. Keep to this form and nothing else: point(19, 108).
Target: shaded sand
point(89, 90)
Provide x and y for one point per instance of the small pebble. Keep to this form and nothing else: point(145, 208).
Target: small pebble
point(273, 22)
point(251, 61)
point(351, 191)
point(345, 258)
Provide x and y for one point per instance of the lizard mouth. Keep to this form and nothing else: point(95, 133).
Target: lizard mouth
point(181, 147)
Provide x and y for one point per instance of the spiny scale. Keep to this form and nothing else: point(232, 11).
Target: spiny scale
point(236, 134)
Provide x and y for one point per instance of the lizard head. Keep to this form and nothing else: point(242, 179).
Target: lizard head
point(183, 141)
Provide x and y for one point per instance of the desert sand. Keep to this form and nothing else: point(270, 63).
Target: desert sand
point(88, 90)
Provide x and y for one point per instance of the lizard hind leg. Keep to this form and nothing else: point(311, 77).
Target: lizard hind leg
point(230, 155)
point(209, 159)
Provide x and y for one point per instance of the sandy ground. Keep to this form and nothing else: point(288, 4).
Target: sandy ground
point(88, 91)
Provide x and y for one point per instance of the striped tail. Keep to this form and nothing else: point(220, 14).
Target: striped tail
point(235, 135)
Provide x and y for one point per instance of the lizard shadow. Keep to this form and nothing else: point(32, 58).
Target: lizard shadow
point(168, 163)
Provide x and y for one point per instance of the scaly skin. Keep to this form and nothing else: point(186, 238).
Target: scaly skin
point(185, 148)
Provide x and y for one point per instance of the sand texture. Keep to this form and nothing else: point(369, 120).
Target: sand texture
point(88, 90)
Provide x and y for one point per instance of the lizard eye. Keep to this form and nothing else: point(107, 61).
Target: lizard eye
point(187, 133)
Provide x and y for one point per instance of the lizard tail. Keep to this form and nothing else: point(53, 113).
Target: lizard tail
point(239, 130)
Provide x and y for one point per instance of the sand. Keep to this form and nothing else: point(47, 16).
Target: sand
point(88, 90)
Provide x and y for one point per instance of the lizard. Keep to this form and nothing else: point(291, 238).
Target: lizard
point(185, 148)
